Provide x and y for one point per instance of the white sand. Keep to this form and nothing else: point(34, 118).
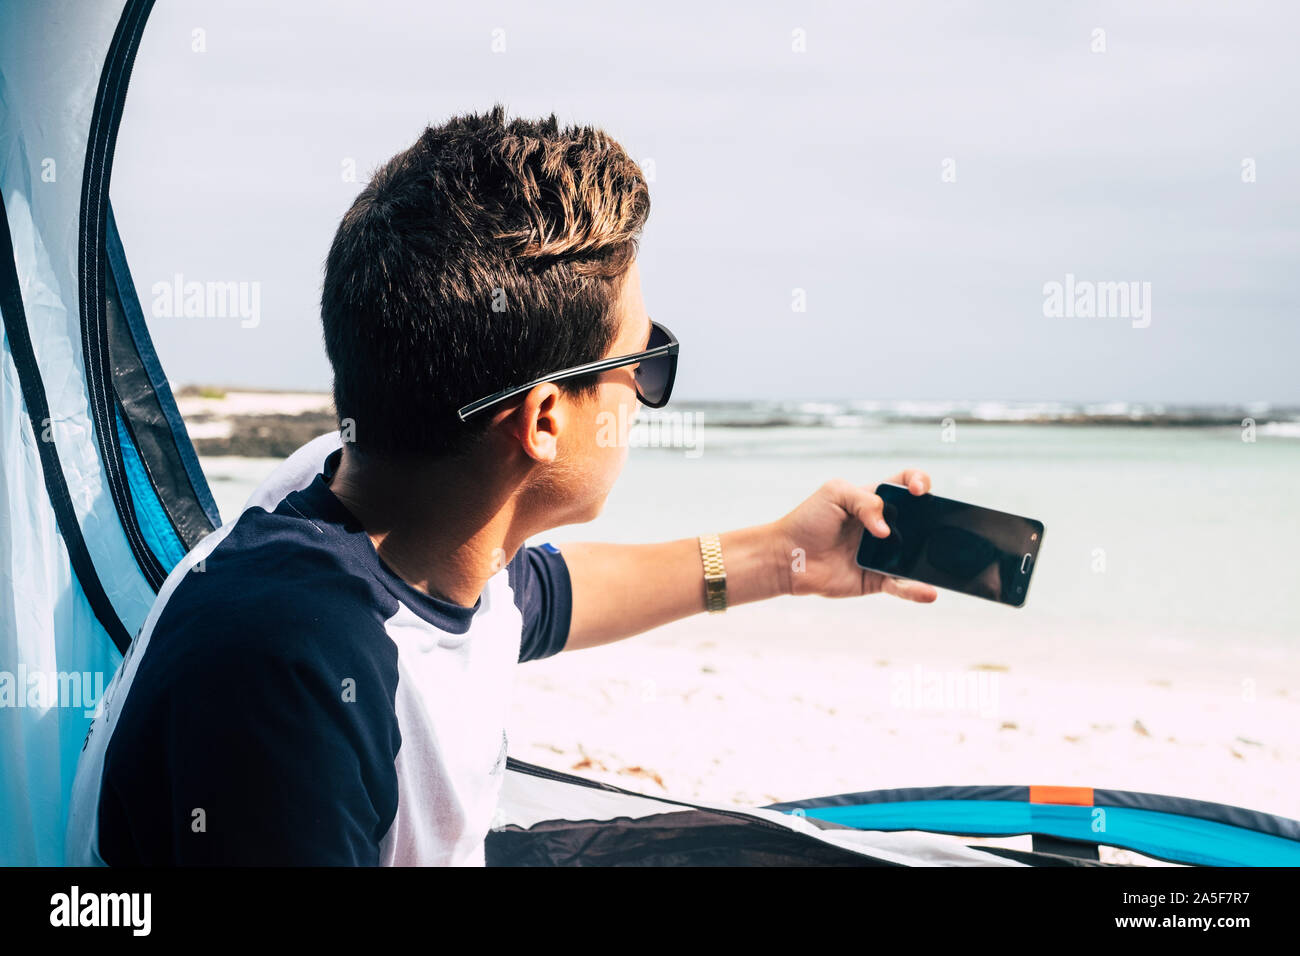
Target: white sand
point(746, 708)
point(253, 403)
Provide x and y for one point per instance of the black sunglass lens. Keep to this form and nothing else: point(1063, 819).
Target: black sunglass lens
point(654, 375)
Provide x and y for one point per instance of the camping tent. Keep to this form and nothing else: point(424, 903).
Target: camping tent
point(101, 494)
point(549, 818)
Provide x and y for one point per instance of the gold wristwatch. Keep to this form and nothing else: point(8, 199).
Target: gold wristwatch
point(715, 575)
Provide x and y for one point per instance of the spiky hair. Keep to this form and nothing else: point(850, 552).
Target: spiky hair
point(488, 253)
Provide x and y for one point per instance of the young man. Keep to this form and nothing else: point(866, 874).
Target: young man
point(326, 679)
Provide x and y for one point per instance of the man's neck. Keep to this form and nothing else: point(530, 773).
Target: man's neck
point(439, 525)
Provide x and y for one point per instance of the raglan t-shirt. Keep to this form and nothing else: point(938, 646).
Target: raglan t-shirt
point(291, 700)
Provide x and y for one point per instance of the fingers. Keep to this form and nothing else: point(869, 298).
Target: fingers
point(909, 590)
point(867, 506)
point(864, 504)
point(913, 479)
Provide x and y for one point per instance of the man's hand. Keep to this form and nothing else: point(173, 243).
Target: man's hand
point(820, 541)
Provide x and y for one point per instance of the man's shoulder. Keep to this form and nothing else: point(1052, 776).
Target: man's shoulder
point(277, 589)
point(539, 579)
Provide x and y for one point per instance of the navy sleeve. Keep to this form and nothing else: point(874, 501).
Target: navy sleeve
point(278, 753)
point(544, 596)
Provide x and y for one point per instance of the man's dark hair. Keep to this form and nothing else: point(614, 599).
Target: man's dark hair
point(488, 254)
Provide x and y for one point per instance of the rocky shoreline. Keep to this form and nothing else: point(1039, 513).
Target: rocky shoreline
point(252, 424)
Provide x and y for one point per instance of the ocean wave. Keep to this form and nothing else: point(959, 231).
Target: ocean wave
point(1269, 420)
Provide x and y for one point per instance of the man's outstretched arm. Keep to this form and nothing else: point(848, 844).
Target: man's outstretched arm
point(624, 589)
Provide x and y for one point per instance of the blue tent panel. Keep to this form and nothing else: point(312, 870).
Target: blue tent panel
point(1165, 836)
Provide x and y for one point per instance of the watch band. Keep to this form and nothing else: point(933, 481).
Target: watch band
point(715, 575)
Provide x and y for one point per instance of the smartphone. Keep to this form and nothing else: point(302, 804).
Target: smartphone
point(954, 545)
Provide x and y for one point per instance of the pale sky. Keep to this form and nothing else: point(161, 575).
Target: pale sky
point(775, 170)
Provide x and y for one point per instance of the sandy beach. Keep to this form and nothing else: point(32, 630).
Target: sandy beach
point(745, 711)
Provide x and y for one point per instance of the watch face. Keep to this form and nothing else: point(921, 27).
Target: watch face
point(716, 592)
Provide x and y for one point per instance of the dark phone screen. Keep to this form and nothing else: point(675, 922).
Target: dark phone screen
point(954, 545)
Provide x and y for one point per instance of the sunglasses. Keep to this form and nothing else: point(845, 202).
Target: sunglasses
point(656, 367)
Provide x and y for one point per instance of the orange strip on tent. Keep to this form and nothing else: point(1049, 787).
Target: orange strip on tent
point(1069, 796)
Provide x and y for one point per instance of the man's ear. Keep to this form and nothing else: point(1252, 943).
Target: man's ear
point(537, 422)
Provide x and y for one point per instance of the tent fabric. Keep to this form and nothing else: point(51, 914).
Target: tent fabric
point(1175, 829)
point(148, 411)
point(90, 516)
point(550, 818)
point(101, 495)
point(92, 279)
